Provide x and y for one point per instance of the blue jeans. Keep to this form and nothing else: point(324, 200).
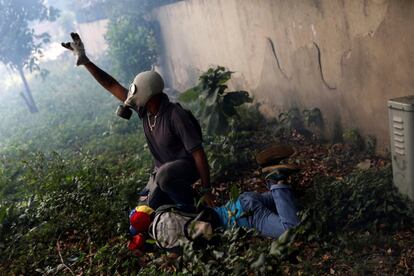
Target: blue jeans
point(271, 213)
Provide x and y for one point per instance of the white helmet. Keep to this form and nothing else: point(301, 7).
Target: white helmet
point(145, 85)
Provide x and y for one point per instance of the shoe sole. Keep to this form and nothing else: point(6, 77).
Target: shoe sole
point(273, 155)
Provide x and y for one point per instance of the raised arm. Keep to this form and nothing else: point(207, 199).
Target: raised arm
point(104, 79)
point(107, 81)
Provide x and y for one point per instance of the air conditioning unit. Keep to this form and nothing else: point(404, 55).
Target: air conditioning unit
point(401, 120)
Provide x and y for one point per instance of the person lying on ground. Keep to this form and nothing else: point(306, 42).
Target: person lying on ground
point(270, 213)
point(173, 134)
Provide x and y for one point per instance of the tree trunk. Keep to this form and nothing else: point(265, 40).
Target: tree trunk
point(28, 95)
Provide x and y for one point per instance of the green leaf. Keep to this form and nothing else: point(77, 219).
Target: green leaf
point(3, 213)
point(233, 99)
point(237, 97)
point(234, 192)
point(218, 255)
point(190, 95)
point(259, 262)
point(275, 249)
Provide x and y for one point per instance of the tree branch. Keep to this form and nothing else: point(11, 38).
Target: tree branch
point(60, 256)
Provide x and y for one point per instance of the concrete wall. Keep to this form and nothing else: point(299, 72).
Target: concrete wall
point(347, 57)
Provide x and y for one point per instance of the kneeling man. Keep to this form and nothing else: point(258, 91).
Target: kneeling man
point(172, 135)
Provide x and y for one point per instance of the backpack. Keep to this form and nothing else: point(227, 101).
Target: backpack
point(172, 227)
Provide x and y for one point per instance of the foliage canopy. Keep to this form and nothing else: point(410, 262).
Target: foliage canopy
point(132, 35)
point(19, 44)
point(133, 47)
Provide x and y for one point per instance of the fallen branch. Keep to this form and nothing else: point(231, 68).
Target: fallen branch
point(90, 250)
point(60, 256)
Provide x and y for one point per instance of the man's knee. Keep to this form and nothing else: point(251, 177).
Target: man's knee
point(176, 175)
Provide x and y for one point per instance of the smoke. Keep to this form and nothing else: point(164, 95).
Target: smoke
point(56, 88)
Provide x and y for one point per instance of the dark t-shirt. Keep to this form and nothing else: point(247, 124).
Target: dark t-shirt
point(173, 135)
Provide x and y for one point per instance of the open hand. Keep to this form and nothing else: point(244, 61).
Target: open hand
point(77, 48)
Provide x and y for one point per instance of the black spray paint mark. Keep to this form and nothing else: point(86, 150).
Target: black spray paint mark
point(320, 68)
point(272, 45)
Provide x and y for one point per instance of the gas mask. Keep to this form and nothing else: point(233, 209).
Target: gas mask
point(144, 86)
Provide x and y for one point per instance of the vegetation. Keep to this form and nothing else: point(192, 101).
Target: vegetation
point(131, 36)
point(64, 172)
point(70, 174)
point(216, 107)
point(308, 122)
point(19, 45)
point(323, 211)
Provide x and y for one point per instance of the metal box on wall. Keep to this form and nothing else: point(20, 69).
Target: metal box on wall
point(401, 120)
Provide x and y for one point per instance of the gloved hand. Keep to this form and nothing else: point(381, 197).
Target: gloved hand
point(77, 48)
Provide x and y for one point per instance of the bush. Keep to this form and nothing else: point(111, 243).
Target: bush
point(215, 106)
point(132, 47)
point(364, 200)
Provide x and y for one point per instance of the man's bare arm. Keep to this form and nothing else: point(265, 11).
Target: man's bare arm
point(107, 81)
point(203, 168)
